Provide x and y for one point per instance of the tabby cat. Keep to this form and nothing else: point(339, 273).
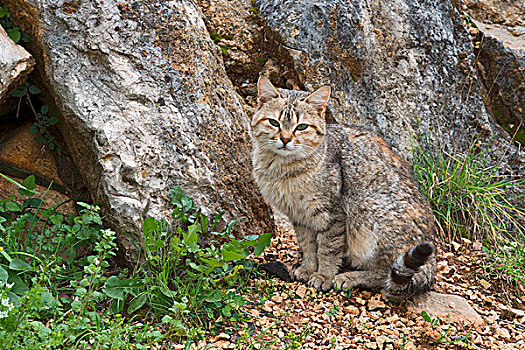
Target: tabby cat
point(359, 217)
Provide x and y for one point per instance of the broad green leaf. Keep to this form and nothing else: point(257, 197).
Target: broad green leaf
point(216, 295)
point(33, 129)
point(29, 182)
point(53, 120)
point(19, 265)
point(114, 288)
point(20, 187)
point(44, 109)
point(49, 300)
point(214, 262)
point(150, 225)
point(191, 237)
point(231, 252)
point(19, 287)
point(33, 203)
point(14, 34)
point(3, 275)
point(21, 91)
point(263, 241)
point(40, 138)
point(167, 292)
point(13, 206)
point(137, 303)
point(200, 268)
point(56, 219)
point(39, 328)
point(34, 90)
point(76, 305)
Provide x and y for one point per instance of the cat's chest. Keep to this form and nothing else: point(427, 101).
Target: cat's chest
point(303, 198)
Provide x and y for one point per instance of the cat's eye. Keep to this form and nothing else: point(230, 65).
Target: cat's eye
point(274, 122)
point(302, 127)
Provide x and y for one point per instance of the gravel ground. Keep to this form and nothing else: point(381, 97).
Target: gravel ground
point(290, 315)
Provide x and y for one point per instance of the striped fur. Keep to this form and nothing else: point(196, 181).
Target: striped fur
point(348, 196)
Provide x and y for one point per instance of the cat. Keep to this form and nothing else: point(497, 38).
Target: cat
point(359, 217)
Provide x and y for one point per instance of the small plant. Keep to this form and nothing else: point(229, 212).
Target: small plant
point(443, 336)
point(6, 21)
point(51, 297)
point(40, 127)
point(54, 295)
point(191, 272)
point(469, 197)
point(333, 311)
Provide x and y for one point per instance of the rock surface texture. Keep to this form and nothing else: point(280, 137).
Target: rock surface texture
point(499, 35)
point(398, 67)
point(15, 64)
point(451, 308)
point(146, 106)
point(501, 61)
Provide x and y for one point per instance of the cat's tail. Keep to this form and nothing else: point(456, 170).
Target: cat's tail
point(412, 272)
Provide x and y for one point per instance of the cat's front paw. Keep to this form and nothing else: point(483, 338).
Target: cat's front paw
point(345, 281)
point(304, 272)
point(321, 281)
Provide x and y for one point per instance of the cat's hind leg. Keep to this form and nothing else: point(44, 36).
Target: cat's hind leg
point(363, 279)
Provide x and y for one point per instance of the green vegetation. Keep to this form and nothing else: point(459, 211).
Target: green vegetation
point(40, 127)
point(6, 21)
point(444, 335)
point(59, 287)
point(471, 199)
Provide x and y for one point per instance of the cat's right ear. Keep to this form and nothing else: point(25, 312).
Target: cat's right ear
point(266, 91)
point(319, 98)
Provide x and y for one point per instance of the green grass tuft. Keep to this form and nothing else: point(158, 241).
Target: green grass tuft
point(471, 199)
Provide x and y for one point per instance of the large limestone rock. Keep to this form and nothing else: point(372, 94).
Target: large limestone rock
point(146, 106)
point(501, 62)
point(505, 12)
point(15, 64)
point(397, 66)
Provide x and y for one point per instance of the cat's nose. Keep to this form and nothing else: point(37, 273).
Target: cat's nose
point(285, 140)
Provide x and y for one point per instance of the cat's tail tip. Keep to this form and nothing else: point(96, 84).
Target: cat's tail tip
point(418, 255)
point(413, 272)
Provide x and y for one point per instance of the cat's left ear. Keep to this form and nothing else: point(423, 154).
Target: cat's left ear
point(266, 91)
point(319, 98)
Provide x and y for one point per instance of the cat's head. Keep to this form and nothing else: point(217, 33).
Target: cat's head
point(289, 122)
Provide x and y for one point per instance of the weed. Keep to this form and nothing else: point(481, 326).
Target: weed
point(191, 272)
point(6, 21)
point(471, 199)
point(444, 336)
point(468, 196)
point(50, 297)
point(42, 120)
